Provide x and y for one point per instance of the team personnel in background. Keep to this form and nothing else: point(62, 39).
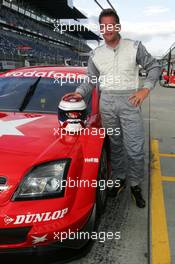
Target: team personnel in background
point(116, 65)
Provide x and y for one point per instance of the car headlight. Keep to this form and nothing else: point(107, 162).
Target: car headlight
point(43, 181)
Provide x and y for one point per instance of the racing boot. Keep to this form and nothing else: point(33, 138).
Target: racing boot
point(136, 192)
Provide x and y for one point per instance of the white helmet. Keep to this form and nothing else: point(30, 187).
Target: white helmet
point(72, 113)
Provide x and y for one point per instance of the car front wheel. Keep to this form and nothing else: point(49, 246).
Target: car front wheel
point(101, 192)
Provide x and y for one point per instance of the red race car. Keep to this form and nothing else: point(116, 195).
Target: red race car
point(49, 175)
point(168, 80)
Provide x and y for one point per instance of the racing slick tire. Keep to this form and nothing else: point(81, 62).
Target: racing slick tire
point(102, 190)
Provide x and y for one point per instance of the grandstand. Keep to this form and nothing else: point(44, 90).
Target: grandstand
point(28, 35)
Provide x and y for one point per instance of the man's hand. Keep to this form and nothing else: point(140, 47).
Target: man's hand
point(138, 97)
point(75, 95)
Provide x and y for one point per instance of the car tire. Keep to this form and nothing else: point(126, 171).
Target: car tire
point(101, 191)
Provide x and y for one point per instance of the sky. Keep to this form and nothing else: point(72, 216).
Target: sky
point(152, 22)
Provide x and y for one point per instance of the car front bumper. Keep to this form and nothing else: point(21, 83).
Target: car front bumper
point(74, 243)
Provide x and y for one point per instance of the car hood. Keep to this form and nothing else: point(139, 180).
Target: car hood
point(30, 139)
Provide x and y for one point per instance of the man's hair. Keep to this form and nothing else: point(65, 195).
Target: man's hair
point(109, 12)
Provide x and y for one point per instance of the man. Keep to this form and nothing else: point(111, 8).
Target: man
point(116, 65)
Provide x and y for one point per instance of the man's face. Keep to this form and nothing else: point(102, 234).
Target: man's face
point(109, 28)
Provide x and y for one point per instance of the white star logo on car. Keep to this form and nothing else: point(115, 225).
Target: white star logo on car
point(39, 239)
point(9, 127)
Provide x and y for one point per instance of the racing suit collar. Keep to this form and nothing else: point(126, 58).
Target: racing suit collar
point(109, 47)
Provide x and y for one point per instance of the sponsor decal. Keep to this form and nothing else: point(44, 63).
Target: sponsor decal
point(37, 240)
point(50, 74)
point(8, 220)
point(92, 160)
point(36, 218)
point(4, 188)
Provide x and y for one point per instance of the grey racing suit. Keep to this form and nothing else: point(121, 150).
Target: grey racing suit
point(127, 149)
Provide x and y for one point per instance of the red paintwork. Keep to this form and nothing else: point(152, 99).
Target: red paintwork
point(170, 79)
point(18, 154)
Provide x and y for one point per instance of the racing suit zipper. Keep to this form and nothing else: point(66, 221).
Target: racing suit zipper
point(114, 70)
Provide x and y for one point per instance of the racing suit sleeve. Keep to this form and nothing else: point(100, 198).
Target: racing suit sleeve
point(91, 80)
point(150, 64)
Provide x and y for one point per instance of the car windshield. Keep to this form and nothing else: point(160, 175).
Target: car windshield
point(45, 99)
